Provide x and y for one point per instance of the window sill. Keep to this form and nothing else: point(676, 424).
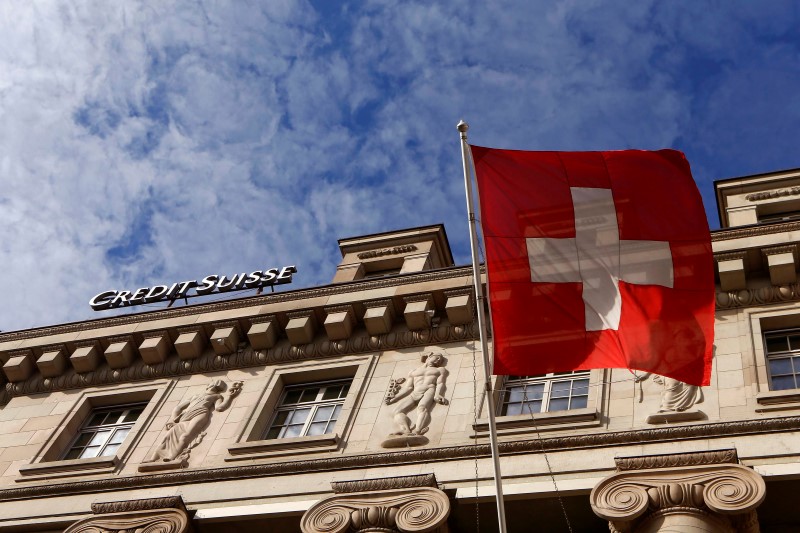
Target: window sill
point(276, 447)
point(67, 468)
point(555, 421)
point(778, 400)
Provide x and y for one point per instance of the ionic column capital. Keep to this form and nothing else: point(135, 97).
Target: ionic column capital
point(400, 510)
point(719, 491)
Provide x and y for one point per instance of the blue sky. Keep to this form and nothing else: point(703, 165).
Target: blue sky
point(153, 142)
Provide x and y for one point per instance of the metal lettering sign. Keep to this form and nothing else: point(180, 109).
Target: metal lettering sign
point(189, 289)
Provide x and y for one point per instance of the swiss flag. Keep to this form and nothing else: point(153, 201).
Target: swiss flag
point(597, 260)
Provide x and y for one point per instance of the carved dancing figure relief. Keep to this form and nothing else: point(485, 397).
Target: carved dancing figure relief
point(677, 399)
point(189, 421)
point(421, 390)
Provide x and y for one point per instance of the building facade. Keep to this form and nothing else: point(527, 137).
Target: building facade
point(359, 406)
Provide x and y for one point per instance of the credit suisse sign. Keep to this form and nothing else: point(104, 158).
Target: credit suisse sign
point(188, 289)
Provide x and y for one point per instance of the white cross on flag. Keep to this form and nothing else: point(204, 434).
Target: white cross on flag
point(596, 260)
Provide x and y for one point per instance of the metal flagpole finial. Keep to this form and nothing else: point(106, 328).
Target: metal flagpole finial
point(462, 127)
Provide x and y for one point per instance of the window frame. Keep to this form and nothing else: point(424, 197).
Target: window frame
point(547, 381)
point(762, 322)
point(313, 406)
point(113, 427)
point(49, 462)
point(573, 419)
point(251, 442)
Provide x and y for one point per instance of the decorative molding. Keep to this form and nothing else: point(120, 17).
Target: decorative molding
point(754, 231)
point(147, 504)
point(298, 295)
point(395, 250)
point(247, 357)
point(421, 455)
point(420, 509)
point(767, 195)
point(385, 483)
point(673, 460)
point(760, 296)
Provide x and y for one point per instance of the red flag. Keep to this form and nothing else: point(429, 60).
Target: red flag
point(597, 260)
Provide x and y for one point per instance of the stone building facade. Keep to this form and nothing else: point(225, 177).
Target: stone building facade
point(352, 407)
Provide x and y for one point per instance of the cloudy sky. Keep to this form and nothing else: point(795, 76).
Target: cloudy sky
point(154, 142)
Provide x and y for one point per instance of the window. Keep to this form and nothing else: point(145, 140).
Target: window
point(783, 359)
point(104, 431)
point(561, 391)
point(308, 410)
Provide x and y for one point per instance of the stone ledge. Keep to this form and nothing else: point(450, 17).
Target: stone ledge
point(275, 447)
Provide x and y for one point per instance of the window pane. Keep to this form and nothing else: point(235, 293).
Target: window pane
point(310, 394)
point(280, 418)
point(535, 392)
point(512, 409)
point(332, 392)
point(516, 395)
point(292, 396)
point(114, 417)
point(317, 428)
point(561, 389)
point(580, 386)
point(100, 437)
point(273, 432)
point(96, 419)
point(84, 439)
point(133, 414)
point(559, 404)
point(776, 344)
point(293, 431)
point(579, 402)
point(298, 416)
point(74, 453)
point(323, 413)
point(119, 436)
point(780, 366)
point(532, 407)
point(109, 450)
point(794, 342)
point(783, 382)
point(336, 412)
point(90, 452)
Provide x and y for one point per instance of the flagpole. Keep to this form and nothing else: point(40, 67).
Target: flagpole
point(479, 302)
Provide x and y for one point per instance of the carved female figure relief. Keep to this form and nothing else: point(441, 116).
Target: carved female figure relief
point(422, 389)
point(190, 419)
point(677, 400)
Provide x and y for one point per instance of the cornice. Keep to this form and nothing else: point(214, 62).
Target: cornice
point(416, 456)
point(244, 358)
point(126, 506)
point(754, 231)
point(300, 294)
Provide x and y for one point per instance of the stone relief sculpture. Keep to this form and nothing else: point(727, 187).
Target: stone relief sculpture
point(189, 421)
point(677, 400)
point(422, 389)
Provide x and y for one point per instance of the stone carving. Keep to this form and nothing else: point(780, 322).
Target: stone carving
point(372, 485)
point(761, 295)
point(147, 504)
point(677, 400)
point(404, 248)
point(189, 420)
point(421, 390)
point(158, 521)
point(700, 498)
point(676, 459)
point(422, 509)
point(766, 195)
point(422, 455)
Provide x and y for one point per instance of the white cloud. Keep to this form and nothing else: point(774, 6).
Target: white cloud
point(146, 142)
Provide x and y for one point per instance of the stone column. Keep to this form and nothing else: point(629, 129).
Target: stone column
point(701, 492)
point(388, 505)
point(164, 515)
